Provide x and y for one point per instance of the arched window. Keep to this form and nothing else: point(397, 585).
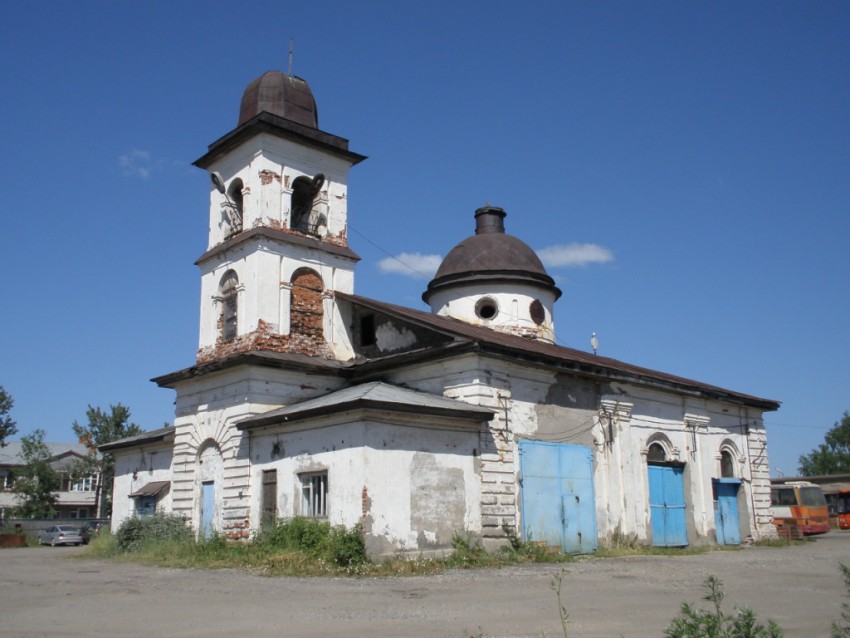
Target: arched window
point(227, 291)
point(656, 453)
point(727, 464)
point(304, 191)
point(306, 313)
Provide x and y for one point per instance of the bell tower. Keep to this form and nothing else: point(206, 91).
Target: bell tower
point(278, 220)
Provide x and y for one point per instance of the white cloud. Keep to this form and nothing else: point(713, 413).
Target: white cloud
point(574, 255)
point(411, 265)
point(136, 163)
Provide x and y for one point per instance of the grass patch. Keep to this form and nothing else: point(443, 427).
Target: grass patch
point(296, 547)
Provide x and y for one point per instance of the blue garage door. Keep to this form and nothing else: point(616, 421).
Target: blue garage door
point(667, 506)
point(558, 504)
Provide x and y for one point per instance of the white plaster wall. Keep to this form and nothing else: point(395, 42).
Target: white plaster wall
point(264, 271)
point(412, 486)
point(695, 430)
point(207, 408)
point(135, 468)
point(513, 305)
point(268, 204)
point(620, 472)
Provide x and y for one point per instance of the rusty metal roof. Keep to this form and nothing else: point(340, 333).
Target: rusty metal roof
point(151, 489)
point(285, 95)
point(374, 395)
point(154, 436)
point(491, 255)
point(530, 350)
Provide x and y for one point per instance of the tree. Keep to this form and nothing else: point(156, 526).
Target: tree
point(37, 482)
point(7, 426)
point(833, 455)
point(103, 428)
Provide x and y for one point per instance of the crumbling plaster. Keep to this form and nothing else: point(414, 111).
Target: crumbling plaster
point(411, 482)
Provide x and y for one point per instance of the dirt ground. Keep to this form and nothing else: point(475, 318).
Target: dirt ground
point(46, 592)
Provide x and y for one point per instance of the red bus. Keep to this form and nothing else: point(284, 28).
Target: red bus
point(841, 503)
point(802, 504)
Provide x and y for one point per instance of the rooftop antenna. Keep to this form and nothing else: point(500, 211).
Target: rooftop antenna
point(290, 56)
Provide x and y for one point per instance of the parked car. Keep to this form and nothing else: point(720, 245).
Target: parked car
point(91, 528)
point(60, 535)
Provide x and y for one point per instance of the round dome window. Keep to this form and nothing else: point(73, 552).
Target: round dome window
point(537, 312)
point(486, 308)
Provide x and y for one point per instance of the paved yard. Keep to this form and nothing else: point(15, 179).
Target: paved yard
point(44, 592)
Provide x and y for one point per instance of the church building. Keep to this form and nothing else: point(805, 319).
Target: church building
point(306, 399)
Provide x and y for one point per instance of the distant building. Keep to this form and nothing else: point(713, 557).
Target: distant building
point(77, 495)
point(306, 399)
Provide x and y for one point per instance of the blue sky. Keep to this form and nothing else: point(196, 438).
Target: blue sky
point(684, 168)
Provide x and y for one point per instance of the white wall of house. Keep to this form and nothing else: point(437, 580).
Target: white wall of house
point(207, 409)
point(536, 403)
point(412, 483)
point(135, 468)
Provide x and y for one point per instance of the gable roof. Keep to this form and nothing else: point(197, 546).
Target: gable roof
point(146, 438)
point(10, 454)
point(376, 396)
point(529, 350)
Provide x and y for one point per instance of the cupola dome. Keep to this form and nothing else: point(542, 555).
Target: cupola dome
point(280, 94)
point(495, 279)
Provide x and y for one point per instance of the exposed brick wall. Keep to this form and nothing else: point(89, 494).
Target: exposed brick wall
point(306, 335)
point(267, 177)
point(306, 312)
point(340, 239)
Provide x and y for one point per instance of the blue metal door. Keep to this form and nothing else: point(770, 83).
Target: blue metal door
point(667, 506)
point(207, 509)
point(558, 504)
point(726, 520)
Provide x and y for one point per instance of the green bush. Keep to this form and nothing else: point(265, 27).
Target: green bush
point(137, 532)
point(714, 623)
point(318, 540)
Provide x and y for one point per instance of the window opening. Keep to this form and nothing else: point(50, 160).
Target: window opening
point(727, 465)
point(314, 494)
point(367, 330)
point(85, 484)
point(306, 309)
point(537, 312)
point(486, 308)
point(228, 292)
point(145, 505)
point(656, 453)
point(304, 191)
point(269, 497)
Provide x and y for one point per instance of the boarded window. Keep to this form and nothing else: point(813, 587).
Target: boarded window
point(314, 494)
point(269, 497)
point(228, 292)
point(306, 315)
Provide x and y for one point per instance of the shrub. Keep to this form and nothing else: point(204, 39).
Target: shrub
point(347, 546)
point(700, 623)
point(137, 532)
point(318, 540)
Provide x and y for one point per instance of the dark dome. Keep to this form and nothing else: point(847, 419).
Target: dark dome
point(491, 255)
point(284, 95)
